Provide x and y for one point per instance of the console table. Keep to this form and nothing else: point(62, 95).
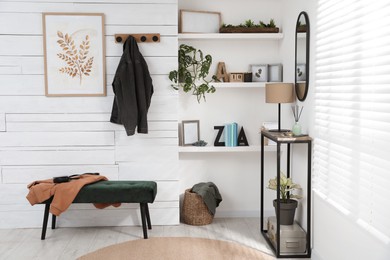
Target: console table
point(280, 139)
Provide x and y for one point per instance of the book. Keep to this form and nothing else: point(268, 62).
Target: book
point(231, 134)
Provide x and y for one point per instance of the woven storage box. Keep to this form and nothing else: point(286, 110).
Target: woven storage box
point(194, 211)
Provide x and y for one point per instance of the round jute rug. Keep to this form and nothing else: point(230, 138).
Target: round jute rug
point(180, 248)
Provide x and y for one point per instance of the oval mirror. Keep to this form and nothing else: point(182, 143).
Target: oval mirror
point(302, 50)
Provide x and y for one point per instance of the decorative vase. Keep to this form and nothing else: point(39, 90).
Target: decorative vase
point(297, 129)
point(287, 211)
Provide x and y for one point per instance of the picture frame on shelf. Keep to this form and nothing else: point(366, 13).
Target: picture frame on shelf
point(259, 72)
point(275, 73)
point(199, 21)
point(301, 72)
point(74, 54)
point(190, 132)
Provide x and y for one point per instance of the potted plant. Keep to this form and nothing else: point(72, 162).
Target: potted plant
point(287, 203)
point(250, 27)
point(193, 69)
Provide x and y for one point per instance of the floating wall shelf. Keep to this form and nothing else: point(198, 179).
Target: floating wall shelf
point(239, 85)
point(232, 36)
point(223, 149)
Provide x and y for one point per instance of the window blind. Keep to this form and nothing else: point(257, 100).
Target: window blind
point(351, 163)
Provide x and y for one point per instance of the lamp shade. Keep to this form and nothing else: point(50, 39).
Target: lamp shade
point(279, 93)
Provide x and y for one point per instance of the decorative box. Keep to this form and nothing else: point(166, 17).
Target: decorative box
point(240, 77)
point(292, 237)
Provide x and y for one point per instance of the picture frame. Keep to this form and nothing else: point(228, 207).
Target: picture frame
point(74, 54)
point(259, 72)
point(190, 132)
point(301, 72)
point(199, 21)
point(275, 73)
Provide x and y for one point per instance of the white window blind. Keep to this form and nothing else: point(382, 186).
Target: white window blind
point(352, 111)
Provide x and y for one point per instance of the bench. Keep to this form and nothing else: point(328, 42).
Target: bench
point(142, 192)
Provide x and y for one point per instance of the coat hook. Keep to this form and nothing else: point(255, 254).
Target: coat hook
point(145, 37)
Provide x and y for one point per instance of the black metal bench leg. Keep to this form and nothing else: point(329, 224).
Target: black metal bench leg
point(148, 216)
point(53, 221)
point(45, 219)
point(143, 218)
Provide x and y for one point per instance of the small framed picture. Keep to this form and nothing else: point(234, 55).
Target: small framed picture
point(190, 131)
point(275, 72)
point(301, 72)
point(259, 73)
point(199, 21)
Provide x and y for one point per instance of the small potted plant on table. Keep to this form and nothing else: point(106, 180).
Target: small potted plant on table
point(287, 203)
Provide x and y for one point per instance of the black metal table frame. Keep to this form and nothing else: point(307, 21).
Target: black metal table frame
point(274, 138)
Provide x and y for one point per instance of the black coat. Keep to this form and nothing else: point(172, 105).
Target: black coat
point(133, 90)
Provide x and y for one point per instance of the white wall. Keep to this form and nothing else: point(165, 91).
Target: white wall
point(335, 235)
point(291, 11)
point(236, 174)
point(42, 137)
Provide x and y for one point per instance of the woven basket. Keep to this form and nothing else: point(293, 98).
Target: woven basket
point(194, 211)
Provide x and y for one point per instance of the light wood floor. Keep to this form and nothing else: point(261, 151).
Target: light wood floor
point(70, 243)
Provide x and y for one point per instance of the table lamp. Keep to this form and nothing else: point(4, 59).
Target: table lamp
point(279, 93)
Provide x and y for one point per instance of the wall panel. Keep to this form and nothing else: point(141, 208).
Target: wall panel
point(57, 157)
point(27, 65)
point(42, 137)
point(2, 122)
point(11, 45)
point(33, 85)
point(22, 139)
point(27, 174)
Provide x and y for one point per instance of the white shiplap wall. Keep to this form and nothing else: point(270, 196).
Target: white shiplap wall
point(42, 137)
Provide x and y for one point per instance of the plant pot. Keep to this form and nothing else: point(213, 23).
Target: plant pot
point(248, 30)
point(287, 211)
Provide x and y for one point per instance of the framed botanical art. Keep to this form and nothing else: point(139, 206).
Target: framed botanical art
point(74, 52)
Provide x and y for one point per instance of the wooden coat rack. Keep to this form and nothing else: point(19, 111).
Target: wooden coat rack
point(144, 37)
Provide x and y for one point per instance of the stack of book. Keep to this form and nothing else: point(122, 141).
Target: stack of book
point(231, 134)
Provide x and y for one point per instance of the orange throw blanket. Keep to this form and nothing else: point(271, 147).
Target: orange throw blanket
point(64, 193)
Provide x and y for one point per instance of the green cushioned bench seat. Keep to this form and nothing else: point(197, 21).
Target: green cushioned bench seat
point(118, 191)
point(142, 192)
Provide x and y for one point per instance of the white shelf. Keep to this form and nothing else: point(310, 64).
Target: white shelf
point(239, 85)
point(231, 36)
point(223, 149)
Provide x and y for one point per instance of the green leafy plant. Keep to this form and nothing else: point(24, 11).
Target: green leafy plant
point(249, 23)
point(193, 69)
point(286, 187)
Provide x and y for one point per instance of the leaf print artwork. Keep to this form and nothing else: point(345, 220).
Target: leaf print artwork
point(77, 61)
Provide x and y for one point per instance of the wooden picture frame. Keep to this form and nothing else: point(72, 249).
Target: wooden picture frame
point(190, 132)
point(275, 72)
point(74, 50)
point(259, 72)
point(199, 21)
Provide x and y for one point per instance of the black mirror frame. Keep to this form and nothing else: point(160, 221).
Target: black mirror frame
point(307, 55)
